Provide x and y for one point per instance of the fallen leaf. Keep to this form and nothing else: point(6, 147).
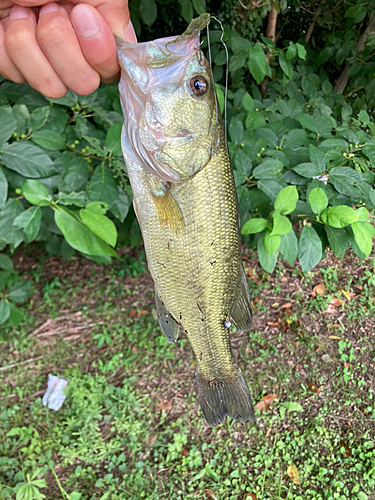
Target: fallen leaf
point(313, 387)
point(336, 325)
point(348, 365)
point(184, 452)
point(348, 451)
point(151, 439)
point(144, 313)
point(336, 302)
point(275, 304)
point(319, 289)
point(274, 325)
point(346, 294)
point(165, 405)
point(334, 337)
point(210, 494)
point(292, 472)
point(250, 495)
point(133, 313)
point(298, 367)
point(265, 402)
point(134, 349)
point(352, 294)
point(288, 305)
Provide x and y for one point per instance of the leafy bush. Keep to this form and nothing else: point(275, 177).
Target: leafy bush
point(303, 154)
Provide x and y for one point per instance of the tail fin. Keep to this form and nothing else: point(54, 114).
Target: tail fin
point(228, 397)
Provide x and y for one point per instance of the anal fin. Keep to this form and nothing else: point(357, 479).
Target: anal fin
point(167, 323)
point(169, 212)
point(242, 312)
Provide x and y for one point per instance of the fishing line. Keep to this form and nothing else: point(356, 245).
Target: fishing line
point(226, 70)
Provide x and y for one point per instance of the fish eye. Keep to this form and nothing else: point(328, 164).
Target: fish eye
point(198, 85)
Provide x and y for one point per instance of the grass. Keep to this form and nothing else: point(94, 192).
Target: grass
point(131, 428)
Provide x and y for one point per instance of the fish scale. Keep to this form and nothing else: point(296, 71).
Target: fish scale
point(186, 204)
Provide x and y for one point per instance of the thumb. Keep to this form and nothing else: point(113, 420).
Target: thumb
point(116, 15)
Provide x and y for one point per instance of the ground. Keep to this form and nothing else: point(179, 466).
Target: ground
point(131, 427)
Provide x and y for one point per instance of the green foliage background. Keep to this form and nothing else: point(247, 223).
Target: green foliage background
point(303, 155)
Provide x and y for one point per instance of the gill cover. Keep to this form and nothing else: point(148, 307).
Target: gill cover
point(169, 103)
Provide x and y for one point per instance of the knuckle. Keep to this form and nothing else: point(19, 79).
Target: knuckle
point(53, 32)
point(16, 40)
point(86, 84)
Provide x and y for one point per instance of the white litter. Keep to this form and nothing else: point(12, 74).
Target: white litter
point(55, 393)
point(322, 178)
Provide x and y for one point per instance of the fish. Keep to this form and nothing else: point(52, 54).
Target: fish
point(185, 200)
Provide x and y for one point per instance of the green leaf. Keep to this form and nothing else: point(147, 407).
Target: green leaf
point(292, 406)
point(20, 291)
point(281, 224)
point(8, 124)
point(267, 169)
point(309, 249)
point(38, 118)
point(73, 198)
point(307, 170)
point(301, 51)
point(257, 63)
point(8, 233)
point(271, 242)
point(289, 247)
point(121, 206)
point(285, 66)
point(345, 179)
point(291, 51)
point(149, 12)
point(286, 200)
point(113, 139)
point(363, 214)
point(199, 6)
point(49, 139)
point(27, 159)
point(363, 117)
point(248, 102)
point(75, 175)
point(235, 130)
point(339, 216)
point(187, 10)
point(4, 311)
point(270, 188)
point(93, 217)
point(16, 316)
point(3, 188)
point(317, 158)
point(21, 114)
point(6, 263)
point(253, 226)
point(267, 262)
point(254, 120)
point(79, 236)
point(362, 237)
point(308, 121)
point(35, 193)
point(242, 163)
point(102, 186)
point(220, 97)
point(318, 200)
point(29, 221)
point(294, 138)
point(338, 240)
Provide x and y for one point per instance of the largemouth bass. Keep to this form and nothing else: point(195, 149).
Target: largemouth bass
point(186, 204)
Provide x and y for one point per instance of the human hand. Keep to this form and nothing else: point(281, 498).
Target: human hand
point(68, 44)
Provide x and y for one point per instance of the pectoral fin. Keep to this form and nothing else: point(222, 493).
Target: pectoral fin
point(242, 312)
point(169, 213)
point(167, 323)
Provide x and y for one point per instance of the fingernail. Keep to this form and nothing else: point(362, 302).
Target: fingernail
point(129, 33)
point(18, 13)
point(48, 8)
point(85, 23)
